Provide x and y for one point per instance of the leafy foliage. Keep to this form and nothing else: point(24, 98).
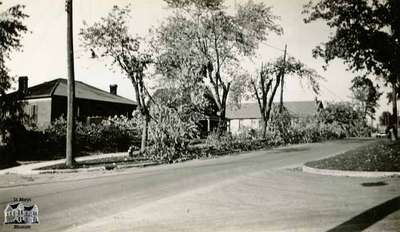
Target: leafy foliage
point(367, 33)
point(111, 135)
point(264, 86)
point(226, 143)
point(346, 117)
point(170, 133)
point(198, 99)
point(110, 38)
point(11, 31)
point(366, 37)
point(367, 95)
point(203, 44)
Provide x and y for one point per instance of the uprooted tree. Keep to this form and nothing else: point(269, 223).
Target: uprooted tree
point(264, 85)
point(110, 38)
point(201, 43)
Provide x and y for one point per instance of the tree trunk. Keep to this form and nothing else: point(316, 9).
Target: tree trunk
point(70, 143)
point(264, 127)
point(281, 97)
point(222, 127)
point(283, 80)
point(394, 105)
point(145, 133)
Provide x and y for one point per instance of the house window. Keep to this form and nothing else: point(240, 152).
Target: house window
point(33, 113)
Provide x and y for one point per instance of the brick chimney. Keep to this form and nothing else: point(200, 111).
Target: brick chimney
point(113, 89)
point(23, 84)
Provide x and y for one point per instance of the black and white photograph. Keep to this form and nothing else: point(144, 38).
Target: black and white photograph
point(199, 115)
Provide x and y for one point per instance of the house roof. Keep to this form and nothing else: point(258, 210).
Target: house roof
point(252, 110)
point(13, 206)
point(58, 87)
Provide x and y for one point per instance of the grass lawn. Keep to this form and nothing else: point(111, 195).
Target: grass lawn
point(382, 155)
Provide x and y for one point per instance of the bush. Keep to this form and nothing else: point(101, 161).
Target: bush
point(345, 116)
point(310, 130)
point(170, 132)
point(9, 130)
point(112, 135)
point(228, 143)
point(336, 121)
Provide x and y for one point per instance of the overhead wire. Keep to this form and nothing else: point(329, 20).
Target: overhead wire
point(322, 85)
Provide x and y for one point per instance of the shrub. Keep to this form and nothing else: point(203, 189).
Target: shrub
point(345, 116)
point(228, 143)
point(9, 131)
point(336, 121)
point(170, 132)
point(112, 135)
point(311, 130)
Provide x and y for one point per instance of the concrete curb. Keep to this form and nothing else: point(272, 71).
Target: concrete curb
point(100, 168)
point(56, 171)
point(29, 169)
point(329, 172)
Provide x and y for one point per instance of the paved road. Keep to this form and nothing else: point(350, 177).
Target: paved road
point(258, 191)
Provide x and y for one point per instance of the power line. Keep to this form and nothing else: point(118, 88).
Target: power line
point(272, 46)
point(284, 50)
point(331, 92)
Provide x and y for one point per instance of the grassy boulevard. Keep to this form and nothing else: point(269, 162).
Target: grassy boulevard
point(381, 155)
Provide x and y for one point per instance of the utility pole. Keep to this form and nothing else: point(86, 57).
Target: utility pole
point(394, 106)
point(282, 79)
point(70, 145)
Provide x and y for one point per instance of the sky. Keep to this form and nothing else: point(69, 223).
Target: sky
point(44, 55)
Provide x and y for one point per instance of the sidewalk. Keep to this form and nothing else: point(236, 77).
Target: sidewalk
point(28, 169)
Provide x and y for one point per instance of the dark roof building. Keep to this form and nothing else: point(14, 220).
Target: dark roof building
point(58, 87)
point(48, 101)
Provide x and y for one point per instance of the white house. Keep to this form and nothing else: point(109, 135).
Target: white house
point(248, 114)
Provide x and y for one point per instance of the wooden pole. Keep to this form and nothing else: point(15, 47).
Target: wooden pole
point(282, 79)
point(70, 143)
point(394, 106)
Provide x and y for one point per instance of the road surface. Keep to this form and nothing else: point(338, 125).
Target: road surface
point(257, 191)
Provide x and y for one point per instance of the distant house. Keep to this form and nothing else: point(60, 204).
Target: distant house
point(248, 114)
point(48, 101)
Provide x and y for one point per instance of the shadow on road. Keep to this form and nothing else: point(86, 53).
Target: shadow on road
point(374, 184)
point(291, 149)
point(369, 217)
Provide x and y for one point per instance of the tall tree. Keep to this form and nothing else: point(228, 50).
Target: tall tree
point(263, 87)
point(110, 38)
point(366, 94)
point(366, 36)
point(201, 42)
point(11, 30)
